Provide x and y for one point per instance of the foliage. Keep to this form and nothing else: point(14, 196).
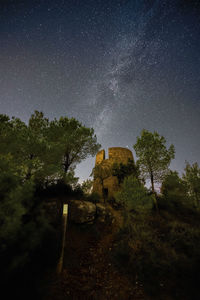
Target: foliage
point(73, 141)
point(11, 205)
point(154, 157)
point(133, 196)
point(23, 224)
point(87, 186)
point(161, 253)
point(124, 170)
point(42, 150)
point(165, 245)
point(93, 197)
point(34, 157)
point(192, 181)
point(28, 147)
point(174, 189)
point(70, 179)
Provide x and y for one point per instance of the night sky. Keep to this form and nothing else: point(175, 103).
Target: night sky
point(116, 66)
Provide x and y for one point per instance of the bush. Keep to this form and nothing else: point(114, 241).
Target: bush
point(24, 224)
point(94, 198)
point(133, 196)
point(163, 252)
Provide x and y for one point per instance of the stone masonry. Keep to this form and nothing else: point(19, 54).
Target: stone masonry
point(110, 184)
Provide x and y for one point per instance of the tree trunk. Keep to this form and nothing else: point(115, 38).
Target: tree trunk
point(66, 163)
point(196, 200)
point(154, 193)
point(152, 184)
point(28, 174)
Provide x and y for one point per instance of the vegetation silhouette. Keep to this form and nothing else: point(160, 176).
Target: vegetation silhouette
point(160, 252)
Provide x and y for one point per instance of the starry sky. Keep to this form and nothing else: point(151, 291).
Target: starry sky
point(117, 66)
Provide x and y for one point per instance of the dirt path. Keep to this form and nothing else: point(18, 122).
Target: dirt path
point(88, 271)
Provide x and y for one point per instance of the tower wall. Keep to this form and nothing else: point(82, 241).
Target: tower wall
point(119, 154)
point(115, 155)
point(100, 157)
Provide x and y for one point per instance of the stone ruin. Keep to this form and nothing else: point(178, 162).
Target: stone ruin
point(110, 184)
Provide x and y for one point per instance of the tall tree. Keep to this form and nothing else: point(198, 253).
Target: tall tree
point(73, 141)
point(26, 144)
point(44, 150)
point(154, 157)
point(37, 150)
point(192, 179)
point(29, 155)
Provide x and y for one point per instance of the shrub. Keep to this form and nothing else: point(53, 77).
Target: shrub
point(163, 252)
point(134, 196)
point(94, 198)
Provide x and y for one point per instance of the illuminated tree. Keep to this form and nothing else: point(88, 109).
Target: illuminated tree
point(154, 157)
point(43, 149)
point(73, 141)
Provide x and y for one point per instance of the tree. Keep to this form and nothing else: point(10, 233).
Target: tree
point(30, 155)
point(40, 160)
point(133, 196)
point(87, 186)
point(124, 170)
point(192, 179)
point(9, 135)
point(23, 223)
point(154, 157)
point(173, 188)
point(28, 146)
point(73, 142)
point(45, 150)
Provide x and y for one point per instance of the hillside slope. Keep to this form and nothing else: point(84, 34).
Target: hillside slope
point(88, 271)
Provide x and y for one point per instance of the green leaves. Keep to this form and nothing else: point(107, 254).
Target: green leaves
point(192, 180)
point(154, 157)
point(73, 141)
point(124, 170)
point(13, 196)
point(173, 185)
point(43, 149)
point(33, 156)
point(134, 196)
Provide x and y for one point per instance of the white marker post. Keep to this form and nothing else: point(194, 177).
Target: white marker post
point(60, 263)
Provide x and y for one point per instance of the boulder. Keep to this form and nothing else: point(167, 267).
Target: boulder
point(101, 212)
point(82, 211)
point(104, 214)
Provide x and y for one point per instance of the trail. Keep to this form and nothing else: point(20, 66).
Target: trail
point(88, 271)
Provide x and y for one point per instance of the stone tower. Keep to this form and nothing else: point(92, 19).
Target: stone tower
point(110, 184)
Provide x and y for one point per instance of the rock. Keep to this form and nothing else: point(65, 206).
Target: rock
point(101, 212)
point(82, 211)
point(86, 212)
point(104, 214)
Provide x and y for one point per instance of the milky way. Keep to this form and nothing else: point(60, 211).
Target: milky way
point(118, 66)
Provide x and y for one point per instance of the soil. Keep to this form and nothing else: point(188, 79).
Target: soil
point(88, 268)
